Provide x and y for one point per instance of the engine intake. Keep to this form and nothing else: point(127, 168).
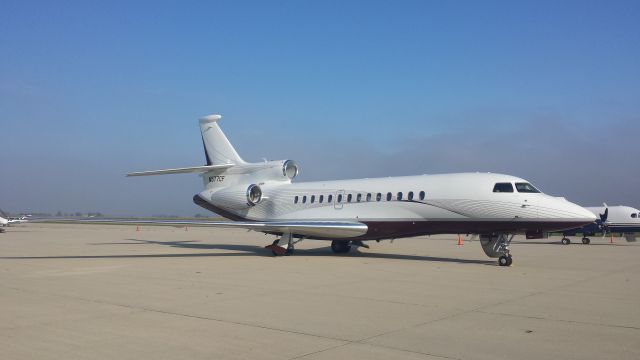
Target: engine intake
point(254, 194)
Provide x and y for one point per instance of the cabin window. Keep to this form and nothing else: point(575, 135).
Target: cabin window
point(304, 199)
point(526, 188)
point(422, 195)
point(295, 199)
point(339, 198)
point(321, 199)
point(410, 195)
point(313, 199)
point(368, 197)
point(634, 215)
point(389, 196)
point(378, 197)
point(399, 196)
point(329, 199)
point(359, 197)
point(503, 187)
point(349, 197)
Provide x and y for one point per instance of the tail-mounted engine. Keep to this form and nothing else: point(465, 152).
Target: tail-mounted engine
point(239, 197)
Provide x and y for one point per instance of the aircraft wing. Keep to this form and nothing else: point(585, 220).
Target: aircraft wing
point(328, 229)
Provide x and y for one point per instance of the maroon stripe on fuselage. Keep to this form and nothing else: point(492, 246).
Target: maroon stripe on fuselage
point(397, 229)
point(198, 200)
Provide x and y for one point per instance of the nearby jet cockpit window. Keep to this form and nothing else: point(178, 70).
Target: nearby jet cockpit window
point(634, 215)
point(389, 196)
point(368, 197)
point(304, 199)
point(503, 187)
point(410, 195)
point(526, 188)
point(400, 196)
point(321, 199)
point(422, 195)
point(349, 197)
point(378, 197)
point(313, 199)
point(359, 198)
point(339, 198)
point(329, 199)
point(295, 199)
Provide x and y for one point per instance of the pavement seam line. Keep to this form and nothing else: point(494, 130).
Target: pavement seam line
point(560, 320)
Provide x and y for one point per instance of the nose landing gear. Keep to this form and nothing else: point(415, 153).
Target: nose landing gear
point(497, 246)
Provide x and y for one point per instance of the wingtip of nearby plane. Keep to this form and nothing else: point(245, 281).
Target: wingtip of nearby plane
point(210, 118)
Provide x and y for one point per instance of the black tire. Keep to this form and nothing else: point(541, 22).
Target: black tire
point(509, 260)
point(503, 260)
point(566, 241)
point(340, 247)
point(586, 240)
point(290, 250)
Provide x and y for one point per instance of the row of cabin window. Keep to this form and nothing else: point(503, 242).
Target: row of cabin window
point(339, 197)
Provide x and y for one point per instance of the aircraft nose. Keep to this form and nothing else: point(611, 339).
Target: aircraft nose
point(582, 213)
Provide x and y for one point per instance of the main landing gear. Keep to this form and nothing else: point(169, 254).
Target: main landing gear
point(565, 241)
point(497, 246)
point(340, 246)
point(279, 250)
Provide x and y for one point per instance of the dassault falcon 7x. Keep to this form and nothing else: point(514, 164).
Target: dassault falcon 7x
point(262, 197)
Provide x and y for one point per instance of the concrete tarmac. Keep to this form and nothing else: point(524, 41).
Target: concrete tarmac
point(111, 292)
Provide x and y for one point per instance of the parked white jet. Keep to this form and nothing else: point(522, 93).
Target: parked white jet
point(611, 219)
point(262, 197)
point(3, 222)
point(8, 221)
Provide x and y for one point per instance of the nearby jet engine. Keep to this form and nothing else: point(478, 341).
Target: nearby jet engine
point(239, 197)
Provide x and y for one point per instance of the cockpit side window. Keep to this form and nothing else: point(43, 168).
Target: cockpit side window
point(503, 187)
point(526, 188)
point(634, 215)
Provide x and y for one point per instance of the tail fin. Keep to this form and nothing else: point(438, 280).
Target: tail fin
point(217, 148)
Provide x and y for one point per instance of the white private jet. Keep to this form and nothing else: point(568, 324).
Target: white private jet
point(9, 221)
point(262, 197)
point(3, 222)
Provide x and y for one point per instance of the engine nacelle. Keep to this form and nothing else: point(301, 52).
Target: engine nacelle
point(239, 197)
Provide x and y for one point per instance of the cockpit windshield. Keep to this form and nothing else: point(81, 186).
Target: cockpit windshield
point(526, 188)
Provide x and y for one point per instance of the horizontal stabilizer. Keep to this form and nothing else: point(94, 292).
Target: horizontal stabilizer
point(186, 170)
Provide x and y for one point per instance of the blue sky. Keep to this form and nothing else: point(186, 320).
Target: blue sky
point(545, 90)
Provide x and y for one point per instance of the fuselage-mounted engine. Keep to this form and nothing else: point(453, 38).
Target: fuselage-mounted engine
point(254, 195)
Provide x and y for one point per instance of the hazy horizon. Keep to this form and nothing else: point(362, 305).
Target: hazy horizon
point(542, 90)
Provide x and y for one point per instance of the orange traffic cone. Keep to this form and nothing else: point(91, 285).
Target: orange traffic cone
point(611, 240)
point(137, 228)
point(459, 240)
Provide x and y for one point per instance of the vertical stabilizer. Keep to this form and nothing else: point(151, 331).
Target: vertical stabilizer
point(218, 150)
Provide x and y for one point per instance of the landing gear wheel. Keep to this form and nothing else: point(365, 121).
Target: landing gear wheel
point(586, 240)
point(340, 247)
point(505, 260)
point(566, 241)
point(276, 250)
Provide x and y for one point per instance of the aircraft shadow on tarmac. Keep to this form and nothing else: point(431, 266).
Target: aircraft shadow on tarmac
point(526, 242)
point(243, 250)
